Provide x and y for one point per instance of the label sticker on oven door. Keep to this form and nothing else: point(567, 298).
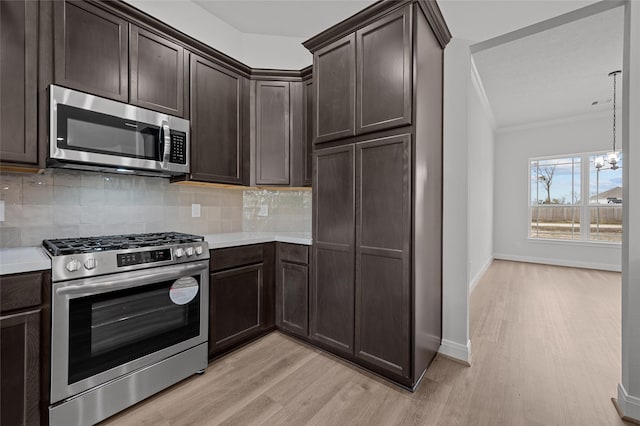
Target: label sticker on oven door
point(183, 290)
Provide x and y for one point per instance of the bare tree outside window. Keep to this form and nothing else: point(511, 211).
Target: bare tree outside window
point(546, 177)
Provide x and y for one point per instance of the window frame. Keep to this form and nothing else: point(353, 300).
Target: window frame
point(584, 205)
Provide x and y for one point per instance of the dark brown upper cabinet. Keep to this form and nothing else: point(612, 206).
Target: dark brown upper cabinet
point(273, 133)
point(332, 286)
point(19, 80)
point(159, 77)
point(307, 116)
point(91, 50)
point(383, 238)
point(334, 74)
point(218, 150)
point(384, 73)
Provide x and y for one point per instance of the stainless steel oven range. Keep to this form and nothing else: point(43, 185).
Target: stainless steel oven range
point(129, 317)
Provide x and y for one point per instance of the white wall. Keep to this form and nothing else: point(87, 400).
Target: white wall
point(455, 275)
point(514, 147)
point(481, 141)
point(254, 50)
point(629, 388)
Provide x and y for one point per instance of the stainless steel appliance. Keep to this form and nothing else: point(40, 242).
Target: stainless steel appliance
point(129, 317)
point(93, 133)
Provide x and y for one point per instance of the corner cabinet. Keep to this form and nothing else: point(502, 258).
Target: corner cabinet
point(292, 288)
point(376, 288)
point(273, 132)
point(19, 79)
point(219, 147)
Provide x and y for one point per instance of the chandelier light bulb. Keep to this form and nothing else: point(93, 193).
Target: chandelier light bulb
point(599, 162)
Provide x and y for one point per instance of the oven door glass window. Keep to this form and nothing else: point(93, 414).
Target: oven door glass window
point(111, 329)
point(89, 131)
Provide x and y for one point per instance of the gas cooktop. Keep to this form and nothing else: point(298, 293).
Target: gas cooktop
point(73, 258)
point(68, 246)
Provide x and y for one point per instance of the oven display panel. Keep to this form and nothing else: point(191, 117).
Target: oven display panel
point(140, 257)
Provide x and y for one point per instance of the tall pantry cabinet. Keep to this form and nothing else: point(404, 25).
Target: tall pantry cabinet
point(376, 288)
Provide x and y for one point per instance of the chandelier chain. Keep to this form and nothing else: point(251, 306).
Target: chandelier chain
point(614, 112)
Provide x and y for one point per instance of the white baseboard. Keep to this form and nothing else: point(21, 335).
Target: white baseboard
point(474, 282)
point(558, 262)
point(629, 405)
point(456, 350)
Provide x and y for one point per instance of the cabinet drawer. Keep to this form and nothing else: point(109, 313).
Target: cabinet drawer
point(293, 253)
point(233, 257)
point(20, 291)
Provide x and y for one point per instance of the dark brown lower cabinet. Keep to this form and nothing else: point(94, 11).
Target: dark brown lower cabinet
point(236, 305)
point(20, 368)
point(23, 352)
point(240, 295)
point(292, 289)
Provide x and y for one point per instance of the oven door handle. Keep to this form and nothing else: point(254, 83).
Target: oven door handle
point(107, 284)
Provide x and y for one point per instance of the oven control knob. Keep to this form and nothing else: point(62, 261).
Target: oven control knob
point(198, 250)
point(90, 263)
point(189, 251)
point(73, 265)
point(179, 252)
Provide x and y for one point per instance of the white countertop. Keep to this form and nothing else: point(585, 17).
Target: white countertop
point(232, 239)
point(23, 259)
point(28, 259)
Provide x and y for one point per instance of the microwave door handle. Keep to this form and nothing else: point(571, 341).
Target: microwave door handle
point(166, 135)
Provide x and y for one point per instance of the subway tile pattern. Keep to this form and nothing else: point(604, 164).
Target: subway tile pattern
point(67, 203)
point(285, 210)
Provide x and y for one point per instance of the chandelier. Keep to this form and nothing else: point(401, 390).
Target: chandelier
point(613, 157)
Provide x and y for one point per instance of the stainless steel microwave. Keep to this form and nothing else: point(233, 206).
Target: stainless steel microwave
point(93, 133)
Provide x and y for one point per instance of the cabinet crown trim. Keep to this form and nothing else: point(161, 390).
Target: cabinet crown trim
point(429, 7)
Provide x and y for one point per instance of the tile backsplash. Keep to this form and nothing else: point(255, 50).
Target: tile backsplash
point(273, 210)
point(61, 203)
point(69, 203)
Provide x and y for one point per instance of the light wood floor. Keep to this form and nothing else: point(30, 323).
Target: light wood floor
point(546, 351)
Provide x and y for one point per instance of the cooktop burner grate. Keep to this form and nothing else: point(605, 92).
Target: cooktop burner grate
point(61, 247)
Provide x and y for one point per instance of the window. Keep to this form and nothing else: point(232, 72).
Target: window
point(555, 198)
point(572, 199)
point(605, 201)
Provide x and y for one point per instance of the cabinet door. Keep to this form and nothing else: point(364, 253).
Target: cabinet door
point(334, 73)
point(20, 368)
point(384, 73)
point(217, 150)
point(383, 238)
point(272, 133)
point(308, 121)
point(19, 80)
point(332, 289)
point(91, 48)
point(157, 73)
point(292, 297)
point(235, 306)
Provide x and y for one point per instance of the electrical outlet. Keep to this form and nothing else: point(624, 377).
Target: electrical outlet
point(195, 210)
point(1, 210)
point(264, 210)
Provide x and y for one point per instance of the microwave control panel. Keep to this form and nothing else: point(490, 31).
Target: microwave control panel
point(178, 154)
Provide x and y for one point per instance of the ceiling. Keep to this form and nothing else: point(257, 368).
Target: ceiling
point(292, 18)
point(480, 20)
point(556, 73)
